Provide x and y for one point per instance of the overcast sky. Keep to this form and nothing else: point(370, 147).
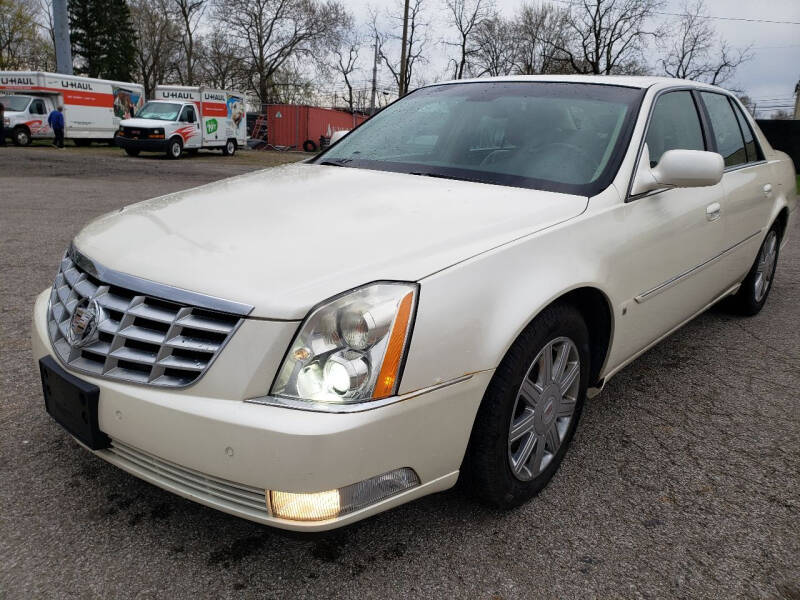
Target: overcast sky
point(769, 78)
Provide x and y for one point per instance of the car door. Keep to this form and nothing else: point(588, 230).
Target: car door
point(38, 123)
point(666, 269)
point(747, 182)
point(190, 127)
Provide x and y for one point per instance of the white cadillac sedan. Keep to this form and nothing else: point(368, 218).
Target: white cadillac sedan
point(431, 298)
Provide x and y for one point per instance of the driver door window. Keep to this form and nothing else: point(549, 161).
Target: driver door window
point(674, 125)
point(187, 115)
point(37, 107)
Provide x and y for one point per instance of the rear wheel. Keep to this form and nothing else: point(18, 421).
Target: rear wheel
point(132, 151)
point(229, 149)
point(752, 295)
point(175, 148)
point(82, 142)
point(21, 137)
point(530, 411)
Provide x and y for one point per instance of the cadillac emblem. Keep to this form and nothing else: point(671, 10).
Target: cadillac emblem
point(83, 326)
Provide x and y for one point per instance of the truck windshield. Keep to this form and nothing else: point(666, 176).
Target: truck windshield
point(562, 137)
point(15, 103)
point(162, 111)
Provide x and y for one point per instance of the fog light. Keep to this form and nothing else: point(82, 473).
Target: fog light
point(305, 507)
point(330, 504)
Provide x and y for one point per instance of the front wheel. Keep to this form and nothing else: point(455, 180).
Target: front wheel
point(530, 410)
point(752, 295)
point(21, 137)
point(229, 149)
point(174, 149)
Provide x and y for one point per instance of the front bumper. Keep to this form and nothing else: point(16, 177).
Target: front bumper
point(187, 442)
point(142, 145)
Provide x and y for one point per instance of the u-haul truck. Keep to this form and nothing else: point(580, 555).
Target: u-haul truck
point(186, 118)
point(93, 108)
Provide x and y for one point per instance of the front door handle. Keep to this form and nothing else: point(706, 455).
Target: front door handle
point(712, 211)
point(768, 189)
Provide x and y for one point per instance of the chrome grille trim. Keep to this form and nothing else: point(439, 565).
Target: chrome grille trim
point(193, 483)
point(145, 339)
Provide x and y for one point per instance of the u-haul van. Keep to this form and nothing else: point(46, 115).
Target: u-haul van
point(93, 108)
point(182, 118)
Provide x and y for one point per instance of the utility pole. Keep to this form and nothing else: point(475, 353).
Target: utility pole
point(61, 30)
point(374, 78)
point(402, 83)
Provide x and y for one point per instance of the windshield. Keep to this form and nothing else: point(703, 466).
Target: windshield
point(162, 111)
point(563, 137)
point(15, 103)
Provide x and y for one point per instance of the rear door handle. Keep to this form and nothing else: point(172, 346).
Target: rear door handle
point(712, 211)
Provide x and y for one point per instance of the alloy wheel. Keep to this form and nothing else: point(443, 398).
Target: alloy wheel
point(765, 268)
point(544, 408)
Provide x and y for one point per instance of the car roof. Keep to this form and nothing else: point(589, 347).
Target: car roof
point(640, 82)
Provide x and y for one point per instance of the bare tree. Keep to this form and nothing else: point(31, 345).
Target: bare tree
point(781, 115)
point(606, 36)
point(537, 31)
point(157, 42)
point(694, 51)
point(493, 48)
point(467, 16)
point(188, 13)
point(416, 45)
point(273, 32)
point(221, 61)
point(345, 59)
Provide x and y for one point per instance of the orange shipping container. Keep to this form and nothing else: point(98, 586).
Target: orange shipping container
point(295, 126)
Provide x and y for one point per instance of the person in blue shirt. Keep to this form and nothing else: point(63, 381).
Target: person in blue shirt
point(56, 121)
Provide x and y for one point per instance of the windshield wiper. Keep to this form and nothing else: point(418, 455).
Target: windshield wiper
point(440, 176)
point(337, 162)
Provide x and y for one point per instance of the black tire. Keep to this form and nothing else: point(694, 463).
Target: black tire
point(310, 146)
point(487, 470)
point(175, 148)
point(132, 151)
point(229, 149)
point(82, 142)
point(21, 136)
point(750, 298)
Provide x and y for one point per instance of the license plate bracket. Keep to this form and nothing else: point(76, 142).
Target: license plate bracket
point(72, 403)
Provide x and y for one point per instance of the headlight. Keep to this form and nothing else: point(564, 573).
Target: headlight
point(350, 348)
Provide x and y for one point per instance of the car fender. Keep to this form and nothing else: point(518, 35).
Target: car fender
point(471, 313)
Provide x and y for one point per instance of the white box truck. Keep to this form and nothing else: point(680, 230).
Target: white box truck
point(186, 118)
point(93, 108)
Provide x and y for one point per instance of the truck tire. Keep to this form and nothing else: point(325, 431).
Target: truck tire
point(310, 146)
point(82, 142)
point(229, 149)
point(21, 136)
point(175, 148)
point(132, 151)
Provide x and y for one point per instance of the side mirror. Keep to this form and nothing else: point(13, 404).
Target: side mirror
point(337, 135)
point(678, 168)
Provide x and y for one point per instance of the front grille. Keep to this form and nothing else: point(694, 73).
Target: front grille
point(136, 131)
point(236, 496)
point(141, 339)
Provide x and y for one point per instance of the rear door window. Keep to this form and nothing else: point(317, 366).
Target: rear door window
point(674, 125)
point(727, 133)
point(750, 144)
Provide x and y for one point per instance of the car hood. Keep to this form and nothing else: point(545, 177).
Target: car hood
point(143, 123)
point(286, 238)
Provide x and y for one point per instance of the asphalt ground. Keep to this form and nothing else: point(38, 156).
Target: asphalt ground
point(683, 480)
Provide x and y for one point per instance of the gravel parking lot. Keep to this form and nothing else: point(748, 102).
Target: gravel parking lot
point(683, 480)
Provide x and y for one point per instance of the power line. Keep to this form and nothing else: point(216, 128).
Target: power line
point(673, 14)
